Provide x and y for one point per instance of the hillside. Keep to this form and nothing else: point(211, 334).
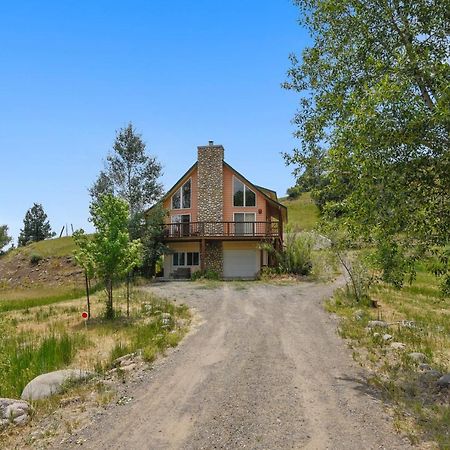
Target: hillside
point(41, 269)
point(303, 214)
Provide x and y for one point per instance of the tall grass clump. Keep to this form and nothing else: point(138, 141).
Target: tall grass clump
point(297, 255)
point(24, 357)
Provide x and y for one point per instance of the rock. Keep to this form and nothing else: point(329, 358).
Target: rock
point(123, 359)
point(128, 368)
point(376, 334)
point(444, 381)
point(424, 367)
point(52, 383)
point(377, 323)
point(433, 374)
point(13, 411)
point(398, 345)
point(417, 357)
point(407, 324)
point(126, 363)
point(166, 316)
point(387, 337)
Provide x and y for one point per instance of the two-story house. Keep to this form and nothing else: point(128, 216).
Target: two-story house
point(217, 220)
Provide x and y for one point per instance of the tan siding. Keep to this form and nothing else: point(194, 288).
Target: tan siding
point(230, 209)
point(240, 245)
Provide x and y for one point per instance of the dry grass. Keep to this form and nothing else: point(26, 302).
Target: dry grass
point(103, 340)
point(420, 408)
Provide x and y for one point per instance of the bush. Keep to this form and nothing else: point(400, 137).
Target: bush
point(296, 258)
point(35, 258)
point(205, 275)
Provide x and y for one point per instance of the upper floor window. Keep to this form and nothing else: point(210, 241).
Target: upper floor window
point(242, 195)
point(182, 198)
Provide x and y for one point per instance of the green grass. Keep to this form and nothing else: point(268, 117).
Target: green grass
point(26, 355)
point(57, 247)
point(303, 214)
point(61, 295)
point(422, 411)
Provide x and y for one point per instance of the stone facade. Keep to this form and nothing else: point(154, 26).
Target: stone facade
point(210, 201)
point(210, 183)
point(214, 256)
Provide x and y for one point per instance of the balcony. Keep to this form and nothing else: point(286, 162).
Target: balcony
point(222, 230)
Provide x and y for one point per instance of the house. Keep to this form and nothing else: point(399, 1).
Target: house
point(217, 220)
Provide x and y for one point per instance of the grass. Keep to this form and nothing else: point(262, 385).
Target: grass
point(24, 356)
point(40, 339)
point(303, 214)
point(421, 410)
point(57, 247)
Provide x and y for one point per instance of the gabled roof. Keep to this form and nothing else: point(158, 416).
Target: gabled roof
point(268, 194)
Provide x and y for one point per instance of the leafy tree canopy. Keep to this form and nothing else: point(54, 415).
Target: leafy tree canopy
point(130, 173)
point(110, 254)
point(36, 226)
point(5, 239)
point(375, 101)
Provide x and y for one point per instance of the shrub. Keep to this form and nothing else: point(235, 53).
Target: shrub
point(35, 258)
point(205, 275)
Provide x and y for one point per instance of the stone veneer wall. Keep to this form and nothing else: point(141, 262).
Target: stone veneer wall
point(210, 183)
point(210, 201)
point(214, 256)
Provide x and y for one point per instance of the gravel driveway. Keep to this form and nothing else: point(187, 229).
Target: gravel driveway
point(262, 369)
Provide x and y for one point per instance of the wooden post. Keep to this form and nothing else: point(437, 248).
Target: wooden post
point(202, 254)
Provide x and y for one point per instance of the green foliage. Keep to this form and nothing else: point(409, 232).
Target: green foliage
point(35, 258)
point(130, 173)
point(296, 257)
point(440, 266)
point(36, 227)
point(110, 253)
point(207, 274)
point(4, 238)
point(375, 98)
point(152, 238)
point(23, 357)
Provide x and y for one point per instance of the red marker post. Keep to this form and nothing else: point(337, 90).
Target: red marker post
point(84, 315)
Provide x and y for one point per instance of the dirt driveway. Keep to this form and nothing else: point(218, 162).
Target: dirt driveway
point(263, 369)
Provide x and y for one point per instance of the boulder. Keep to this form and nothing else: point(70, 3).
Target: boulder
point(387, 337)
point(13, 411)
point(52, 383)
point(444, 381)
point(417, 357)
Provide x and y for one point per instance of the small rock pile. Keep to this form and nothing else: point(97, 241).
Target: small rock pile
point(13, 411)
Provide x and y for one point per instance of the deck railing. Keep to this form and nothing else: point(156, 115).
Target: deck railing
point(221, 229)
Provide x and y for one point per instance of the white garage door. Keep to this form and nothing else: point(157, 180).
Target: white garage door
point(240, 263)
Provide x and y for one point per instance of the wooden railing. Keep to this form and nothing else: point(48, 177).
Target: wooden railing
point(222, 229)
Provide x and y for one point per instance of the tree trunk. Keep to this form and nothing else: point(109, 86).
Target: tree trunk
point(128, 295)
point(86, 279)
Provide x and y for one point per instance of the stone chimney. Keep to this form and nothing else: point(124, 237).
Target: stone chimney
point(210, 183)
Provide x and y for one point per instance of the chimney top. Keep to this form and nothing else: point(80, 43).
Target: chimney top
point(211, 143)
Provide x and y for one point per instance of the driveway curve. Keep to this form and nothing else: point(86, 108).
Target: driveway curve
point(262, 369)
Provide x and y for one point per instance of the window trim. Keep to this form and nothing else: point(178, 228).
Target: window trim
point(180, 190)
point(245, 187)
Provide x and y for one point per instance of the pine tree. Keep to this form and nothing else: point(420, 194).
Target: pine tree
point(36, 226)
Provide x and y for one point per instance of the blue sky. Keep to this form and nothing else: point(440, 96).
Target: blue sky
point(184, 72)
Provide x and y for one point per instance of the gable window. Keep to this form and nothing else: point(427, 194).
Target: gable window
point(186, 259)
point(182, 198)
point(242, 195)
